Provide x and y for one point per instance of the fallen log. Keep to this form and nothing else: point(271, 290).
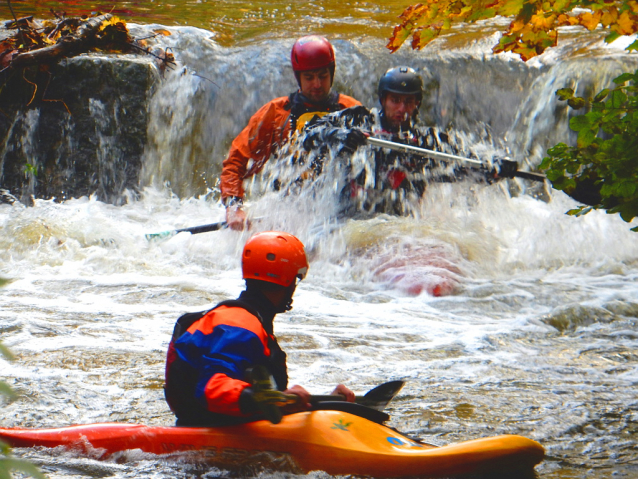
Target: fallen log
point(66, 46)
point(33, 43)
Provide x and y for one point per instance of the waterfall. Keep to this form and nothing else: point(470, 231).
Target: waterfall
point(493, 100)
point(504, 315)
point(174, 129)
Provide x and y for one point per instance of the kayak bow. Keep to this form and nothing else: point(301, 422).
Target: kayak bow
point(333, 441)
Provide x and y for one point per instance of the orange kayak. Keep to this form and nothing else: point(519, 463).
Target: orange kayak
point(336, 442)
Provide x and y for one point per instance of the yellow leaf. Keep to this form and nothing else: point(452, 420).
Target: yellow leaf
point(590, 21)
point(509, 8)
point(564, 20)
point(609, 16)
point(542, 22)
point(517, 25)
point(161, 31)
point(626, 23)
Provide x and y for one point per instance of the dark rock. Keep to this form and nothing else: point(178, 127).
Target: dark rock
point(75, 128)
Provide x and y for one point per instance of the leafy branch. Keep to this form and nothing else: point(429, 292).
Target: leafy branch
point(602, 169)
point(533, 29)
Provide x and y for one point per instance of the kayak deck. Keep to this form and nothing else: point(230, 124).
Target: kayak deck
point(333, 441)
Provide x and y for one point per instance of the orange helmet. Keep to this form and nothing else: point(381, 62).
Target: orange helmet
point(274, 257)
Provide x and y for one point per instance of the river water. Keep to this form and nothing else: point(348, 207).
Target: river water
point(502, 314)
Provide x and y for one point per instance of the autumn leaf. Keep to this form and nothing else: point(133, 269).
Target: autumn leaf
point(543, 22)
point(560, 5)
point(161, 31)
point(533, 28)
point(423, 37)
point(590, 21)
point(509, 8)
point(626, 23)
point(525, 51)
point(399, 36)
point(609, 16)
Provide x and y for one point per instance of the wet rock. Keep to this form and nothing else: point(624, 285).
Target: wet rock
point(76, 128)
point(623, 308)
point(570, 317)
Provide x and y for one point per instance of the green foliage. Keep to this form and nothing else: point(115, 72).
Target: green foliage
point(606, 151)
point(30, 169)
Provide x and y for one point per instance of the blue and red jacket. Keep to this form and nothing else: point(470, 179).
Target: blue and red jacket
point(209, 356)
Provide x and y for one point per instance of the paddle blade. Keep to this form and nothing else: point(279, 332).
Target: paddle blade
point(379, 397)
point(160, 236)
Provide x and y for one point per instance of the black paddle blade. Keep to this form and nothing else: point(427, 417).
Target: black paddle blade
point(379, 397)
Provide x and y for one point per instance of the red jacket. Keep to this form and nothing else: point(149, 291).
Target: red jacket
point(268, 129)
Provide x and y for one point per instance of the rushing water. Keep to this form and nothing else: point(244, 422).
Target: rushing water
point(503, 314)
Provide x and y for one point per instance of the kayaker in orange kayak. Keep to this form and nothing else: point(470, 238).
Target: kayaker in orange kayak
point(313, 62)
point(211, 352)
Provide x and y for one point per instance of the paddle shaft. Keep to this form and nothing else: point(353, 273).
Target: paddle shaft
point(445, 156)
point(192, 230)
point(202, 229)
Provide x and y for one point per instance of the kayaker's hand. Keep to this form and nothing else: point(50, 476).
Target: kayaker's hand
point(236, 218)
point(354, 139)
point(345, 392)
point(303, 404)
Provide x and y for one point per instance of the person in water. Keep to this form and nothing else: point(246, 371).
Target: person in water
point(313, 63)
point(211, 353)
point(396, 179)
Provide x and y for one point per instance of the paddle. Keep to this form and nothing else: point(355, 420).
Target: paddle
point(192, 230)
point(269, 400)
point(447, 157)
point(377, 398)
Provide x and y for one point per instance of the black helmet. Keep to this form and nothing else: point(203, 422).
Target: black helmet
point(403, 80)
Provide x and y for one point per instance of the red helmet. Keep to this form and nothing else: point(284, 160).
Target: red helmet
point(274, 257)
point(311, 53)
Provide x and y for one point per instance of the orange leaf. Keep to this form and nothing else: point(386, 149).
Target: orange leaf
point(609, 16)
point(399, 36)
point(590, 21)
point(626, 23)
point(413, 12)
point(161, 31)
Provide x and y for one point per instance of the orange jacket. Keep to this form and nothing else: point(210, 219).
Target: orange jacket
point(267, 130)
